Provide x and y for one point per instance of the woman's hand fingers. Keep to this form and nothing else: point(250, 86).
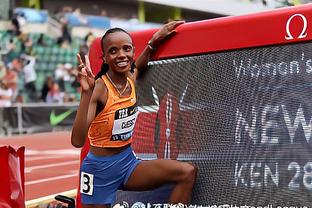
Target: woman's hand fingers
point(85, 75)
point(172, 32)
point(173, 24)
point(79, 59)
point(87, 61)
point(80, 63)
point(84, 69)
point(88, 67)
point(89, 72)
point(80, 75)
point(80, 67)
point(167, 30)
point(177, 23)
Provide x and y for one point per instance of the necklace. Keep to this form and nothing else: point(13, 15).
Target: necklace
point(120, 92)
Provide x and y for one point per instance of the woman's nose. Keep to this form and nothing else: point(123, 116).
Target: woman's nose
point(122, 54)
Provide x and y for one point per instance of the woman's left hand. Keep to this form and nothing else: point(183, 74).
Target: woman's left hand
point(164, 32)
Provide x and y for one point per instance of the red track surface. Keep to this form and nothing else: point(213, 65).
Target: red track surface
point(51, 163)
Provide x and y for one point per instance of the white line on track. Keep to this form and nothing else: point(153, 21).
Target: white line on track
point(45, 157)
point(31, 168)
point(50, 179)
point(52, 152)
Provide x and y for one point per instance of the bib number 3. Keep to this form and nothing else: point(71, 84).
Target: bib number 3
point(86, 183)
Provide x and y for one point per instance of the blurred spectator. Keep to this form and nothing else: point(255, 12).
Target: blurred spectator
point(84, 49)
point(67, 9)
point(103, 13)
point(69, 98)
point(10, 46)
point(17, 21)
point(16, 64)
point(5, 95)
point(2, 70)
point(21, 19)
point(59, 13)
point(61, 75)
point(68, 67)
point(19, 99)
point(28, 45)
point(12, 50)
point(30, 76)
point(10, 79)
point(74, 79)
point(46, 88)
point(55, 95)
point(40, 40)
point(16, 30)
point(89, 39)
point(22, 39)
point(65, 39)
point(82, 19)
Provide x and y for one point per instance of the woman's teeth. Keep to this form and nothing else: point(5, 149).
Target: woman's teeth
point(122, 64)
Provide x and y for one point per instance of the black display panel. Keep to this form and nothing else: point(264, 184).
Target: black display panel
point(243, 117)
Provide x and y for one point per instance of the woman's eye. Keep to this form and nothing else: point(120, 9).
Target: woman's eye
point(127, 48)
point(113, 50)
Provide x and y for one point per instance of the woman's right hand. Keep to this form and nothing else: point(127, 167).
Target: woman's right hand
point(85, 76)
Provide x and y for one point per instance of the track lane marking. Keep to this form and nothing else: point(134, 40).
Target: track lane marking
point(31, 168)
point(27, 183)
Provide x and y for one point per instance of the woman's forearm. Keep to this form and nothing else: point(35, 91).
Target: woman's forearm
point(144, 58)
point(80, 126)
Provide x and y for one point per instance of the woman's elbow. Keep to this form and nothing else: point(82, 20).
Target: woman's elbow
point(76, 142)
point(77, 145)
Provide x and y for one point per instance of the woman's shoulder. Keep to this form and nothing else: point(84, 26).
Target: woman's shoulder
point(100, 86)
point(100, 90)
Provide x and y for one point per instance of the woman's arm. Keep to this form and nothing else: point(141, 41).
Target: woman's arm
point(87, 107)
point(86, 113)
point(165, 31)
point(80, 126)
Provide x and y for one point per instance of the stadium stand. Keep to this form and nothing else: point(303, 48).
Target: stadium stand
point(51, 50)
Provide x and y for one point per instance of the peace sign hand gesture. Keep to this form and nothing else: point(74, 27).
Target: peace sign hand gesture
point(85, 76)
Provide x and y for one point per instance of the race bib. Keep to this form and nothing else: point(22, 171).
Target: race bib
point(86, 183)
point(124, 123)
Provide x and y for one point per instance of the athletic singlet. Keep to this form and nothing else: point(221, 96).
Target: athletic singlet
point(113, 126)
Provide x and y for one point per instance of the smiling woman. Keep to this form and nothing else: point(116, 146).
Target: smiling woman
point(107, 113)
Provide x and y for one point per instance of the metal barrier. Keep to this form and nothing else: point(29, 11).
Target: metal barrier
point(36, 117)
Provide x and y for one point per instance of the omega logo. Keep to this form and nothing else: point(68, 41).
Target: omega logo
point(303, 33)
